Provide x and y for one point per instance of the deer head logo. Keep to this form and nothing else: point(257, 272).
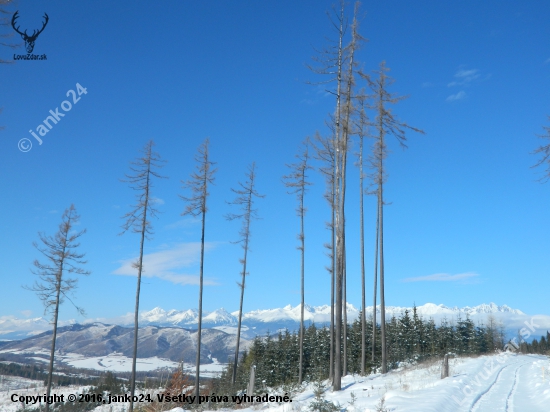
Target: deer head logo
point(29, 40)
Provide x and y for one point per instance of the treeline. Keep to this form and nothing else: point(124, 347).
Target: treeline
point(409, 339)
point(23, 371)
point(37, 373)
point(541, 346)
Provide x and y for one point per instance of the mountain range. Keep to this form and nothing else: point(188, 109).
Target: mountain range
point(99, 340)
point(271, 320)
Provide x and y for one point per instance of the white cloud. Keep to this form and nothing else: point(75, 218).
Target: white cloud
point(26, 313)
point(458, 96)
point(157, 200)
point(444, 277)
point(167, 263)
point(465, 77)
point(183, 223)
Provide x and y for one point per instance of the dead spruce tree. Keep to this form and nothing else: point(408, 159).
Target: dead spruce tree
point(347, 113)
point(297, 182)
point(138, 221)
point(245, 200)
point(196, 206)
point(62, 259)
point(333, 62)
point(324, 152)
point(362, 124)
point(544, 151)
point(386, 124)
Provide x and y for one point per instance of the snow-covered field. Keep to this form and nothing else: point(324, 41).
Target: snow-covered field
point(502, 382)
point(116, 362)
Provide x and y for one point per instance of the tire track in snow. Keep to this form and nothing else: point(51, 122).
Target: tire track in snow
point(512, 391)
point(508, 406)
point(486, 391)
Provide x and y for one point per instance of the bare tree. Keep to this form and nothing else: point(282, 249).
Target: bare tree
point(362, 124)
point(137, 220)
point(386, 124)
point(324, 148)
point(544, 150)
point(333, 63)
point(245, 200)
point(196, 206)
point(297, 182)
point(62, 259)
point(347, 113)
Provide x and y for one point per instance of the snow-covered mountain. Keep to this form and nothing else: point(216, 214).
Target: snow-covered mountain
point(264, 320)
point(97, 340)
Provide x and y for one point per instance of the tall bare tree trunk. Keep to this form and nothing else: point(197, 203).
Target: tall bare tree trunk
point(138, 288)
point(337, 380)
point(346, 133)
point(245, 200)
point(196, 205)
point(301, 369)
point(136, 220)
point(362, 246)
point(297, 181)
point(382, 298)
point(375, 285)
point(54, 335)
point(345, 314)
point(333, 271)
point(199, 326)
point(236, 360)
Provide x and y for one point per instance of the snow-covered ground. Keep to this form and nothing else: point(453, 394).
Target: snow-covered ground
point(116, 362)
point(502, 382)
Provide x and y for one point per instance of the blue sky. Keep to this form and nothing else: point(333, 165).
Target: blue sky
point(468, 221)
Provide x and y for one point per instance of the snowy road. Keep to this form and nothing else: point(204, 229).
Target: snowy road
point(499, 396)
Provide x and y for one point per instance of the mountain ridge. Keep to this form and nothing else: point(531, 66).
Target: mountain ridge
point(261, 321)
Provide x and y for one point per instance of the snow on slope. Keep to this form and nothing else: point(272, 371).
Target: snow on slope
point(501, 382)
point(504, 382)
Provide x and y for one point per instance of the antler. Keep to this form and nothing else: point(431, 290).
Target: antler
point(35, 32)
point(15, 16)
point(43, 26)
